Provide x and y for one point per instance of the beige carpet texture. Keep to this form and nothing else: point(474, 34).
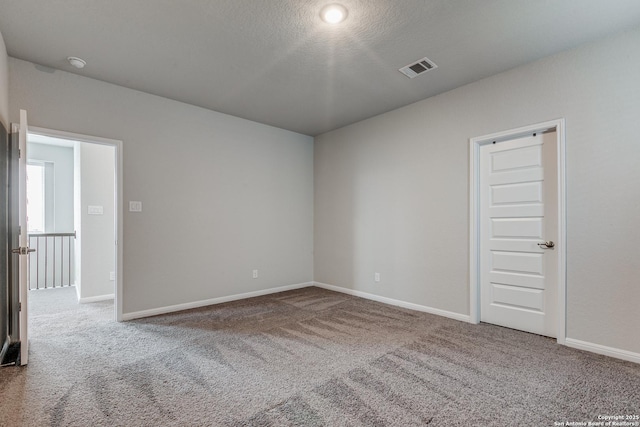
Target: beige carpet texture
point(309, 357)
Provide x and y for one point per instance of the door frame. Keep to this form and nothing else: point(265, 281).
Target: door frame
point(475, 143)
point(118, 214)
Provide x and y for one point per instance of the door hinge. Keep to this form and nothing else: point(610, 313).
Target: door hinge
point(19, 230)
point(19, 153)
point(19, 306)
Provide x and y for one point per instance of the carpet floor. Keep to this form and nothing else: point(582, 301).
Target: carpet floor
point(309, 357)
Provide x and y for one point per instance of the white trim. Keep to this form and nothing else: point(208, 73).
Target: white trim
point(96, 299)
point(474, 232)
point(119, 267)
point(72, 136)
point(474, 226)
point(212, 301)
point(398, 303)
point(117, 144)
point(562, 232)
point(602, 349)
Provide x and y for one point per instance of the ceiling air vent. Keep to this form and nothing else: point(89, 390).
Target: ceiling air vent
point(419, 67)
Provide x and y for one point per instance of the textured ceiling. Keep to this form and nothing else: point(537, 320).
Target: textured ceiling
point(276, 62)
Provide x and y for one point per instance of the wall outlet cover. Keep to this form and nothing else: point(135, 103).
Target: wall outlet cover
point(135, 206)
point(95, 210)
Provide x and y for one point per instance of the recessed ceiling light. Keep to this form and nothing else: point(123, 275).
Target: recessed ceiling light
point(333, 13)
point(77, 62)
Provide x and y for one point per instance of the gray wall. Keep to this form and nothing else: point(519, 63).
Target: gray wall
point(97, 233)
point(221, 195)
point(62, 159)
point(391, 192)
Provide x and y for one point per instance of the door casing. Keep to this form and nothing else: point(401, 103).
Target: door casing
point(117, 144)
point(558, 126)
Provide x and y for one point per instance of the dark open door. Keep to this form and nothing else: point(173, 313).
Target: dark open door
point(9, 238)
point(13, 247)
point(4, 243)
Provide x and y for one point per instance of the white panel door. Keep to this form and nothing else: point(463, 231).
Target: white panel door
point(518, 214)
point(24, 250)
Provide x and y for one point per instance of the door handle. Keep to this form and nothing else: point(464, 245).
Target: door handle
point(22, 250)
point(547, 245)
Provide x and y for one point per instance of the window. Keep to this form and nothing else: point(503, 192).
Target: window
point(35, 197)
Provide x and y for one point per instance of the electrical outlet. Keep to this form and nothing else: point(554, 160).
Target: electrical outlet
point(95, 210)
point(112, 275)
point(135, 206)
point(255, 274)
point(376, 277)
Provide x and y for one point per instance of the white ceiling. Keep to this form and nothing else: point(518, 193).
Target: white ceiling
point(276, 62)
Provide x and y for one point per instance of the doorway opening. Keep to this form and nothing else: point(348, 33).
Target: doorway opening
point(73, 209)
point(508, 252)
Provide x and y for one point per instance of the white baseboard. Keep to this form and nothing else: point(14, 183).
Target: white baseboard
point(398, 303)
point(212, 301)
point(569, 342)
point(601, 349)
point(95, 299)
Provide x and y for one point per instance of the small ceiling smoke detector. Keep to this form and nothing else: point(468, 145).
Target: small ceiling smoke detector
point(419, 67)
point(334, 13)
point(77, 62)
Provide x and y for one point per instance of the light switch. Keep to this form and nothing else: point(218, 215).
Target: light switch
point(135, 206)
point(95, 210)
